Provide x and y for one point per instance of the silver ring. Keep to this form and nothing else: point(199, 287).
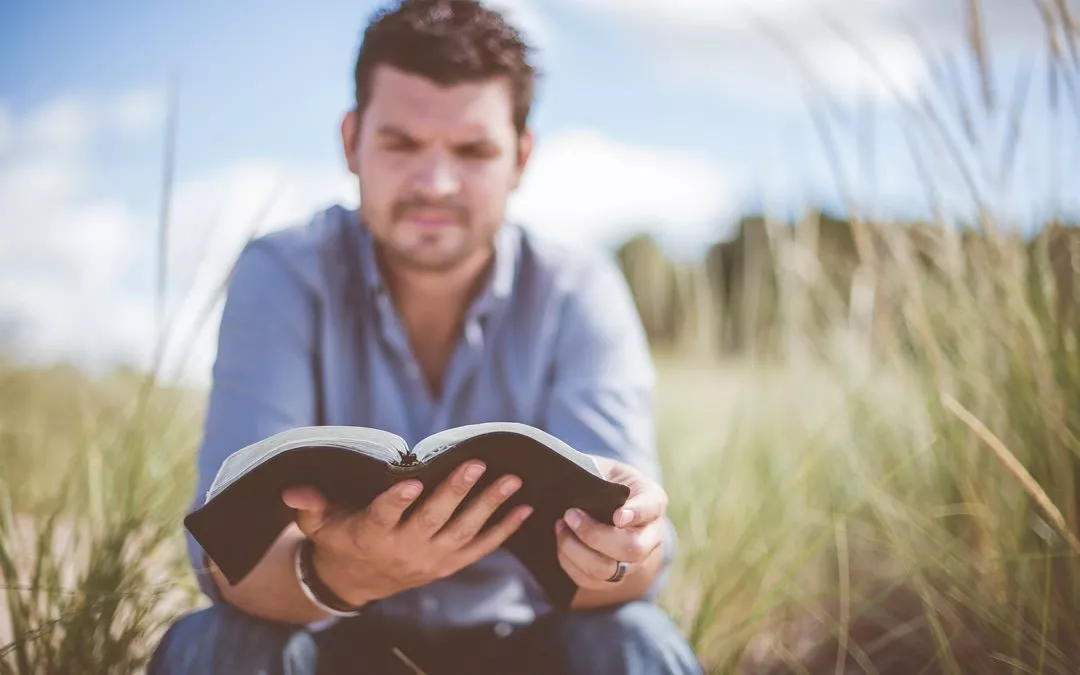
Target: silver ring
point(620, 572)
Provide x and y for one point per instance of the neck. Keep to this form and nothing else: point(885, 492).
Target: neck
point(428, 297)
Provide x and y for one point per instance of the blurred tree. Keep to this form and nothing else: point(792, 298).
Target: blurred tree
point(652, 278)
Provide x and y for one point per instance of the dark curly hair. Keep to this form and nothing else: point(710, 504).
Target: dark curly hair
point(449, 42)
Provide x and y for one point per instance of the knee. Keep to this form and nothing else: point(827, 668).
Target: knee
point(222, 639)
point(634, 638)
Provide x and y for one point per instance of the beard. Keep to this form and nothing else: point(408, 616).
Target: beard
point(402, 209)
point(439, 247)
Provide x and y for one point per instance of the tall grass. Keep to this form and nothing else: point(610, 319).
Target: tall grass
point(896, 485)
point(925, 482)
point(92, 484)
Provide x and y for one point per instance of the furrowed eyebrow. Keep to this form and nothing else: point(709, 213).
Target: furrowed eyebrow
point(394, 132)
point(481, 145)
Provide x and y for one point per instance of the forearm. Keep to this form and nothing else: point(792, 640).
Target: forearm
point(634, 585)
point(272, 591)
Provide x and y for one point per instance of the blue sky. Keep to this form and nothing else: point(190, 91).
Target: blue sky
point(671, 116)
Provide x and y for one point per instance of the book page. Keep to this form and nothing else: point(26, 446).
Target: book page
point(372, 442)
point(437, 443)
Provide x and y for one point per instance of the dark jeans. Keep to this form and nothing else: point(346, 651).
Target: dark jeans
point(634, 639)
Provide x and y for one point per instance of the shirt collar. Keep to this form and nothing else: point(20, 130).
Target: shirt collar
point(497, 289)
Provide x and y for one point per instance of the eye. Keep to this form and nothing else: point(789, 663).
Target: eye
point(400, 145)
point(479, 150)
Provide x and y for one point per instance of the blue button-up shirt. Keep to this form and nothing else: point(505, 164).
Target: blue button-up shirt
point(309, 336)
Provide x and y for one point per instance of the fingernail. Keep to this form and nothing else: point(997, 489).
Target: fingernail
point(525, 513)
point(573, 518)
point(624, 517)
point(509, 486)
point(300, 498)
point(411, 490)
point(473, 472)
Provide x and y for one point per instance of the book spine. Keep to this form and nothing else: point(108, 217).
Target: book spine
point(408, 460)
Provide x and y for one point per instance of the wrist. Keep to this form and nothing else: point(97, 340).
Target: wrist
point(324, 594)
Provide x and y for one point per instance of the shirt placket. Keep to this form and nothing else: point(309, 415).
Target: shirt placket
point(463, 365)
point(418, 400)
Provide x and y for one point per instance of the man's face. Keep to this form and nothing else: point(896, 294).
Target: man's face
point(435, 165)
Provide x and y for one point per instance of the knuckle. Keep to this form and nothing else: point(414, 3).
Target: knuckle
point(462, 535)
point(459, 486)
point(428, 520)
point(378, 518)
point(636, 549)
point(493, 500)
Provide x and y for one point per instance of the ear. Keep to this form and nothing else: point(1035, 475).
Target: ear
point(350, 136)
point(525, 147)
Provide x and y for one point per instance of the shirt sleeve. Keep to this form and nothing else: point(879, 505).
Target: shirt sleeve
point(603, 380)
point(263, 374)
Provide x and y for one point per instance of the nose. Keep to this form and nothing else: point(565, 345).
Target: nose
point(437, 176)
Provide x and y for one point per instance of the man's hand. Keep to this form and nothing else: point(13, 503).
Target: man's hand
point(374, 554)
point(589, 551)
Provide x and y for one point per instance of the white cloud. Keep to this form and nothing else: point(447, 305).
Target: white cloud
point(79, 276)
point(214, 216)
point(65, 123)
point(62, 276)
point(136, 112)
point(77, 264)
point(583, 186)
point(40, 180)
point(769, 48)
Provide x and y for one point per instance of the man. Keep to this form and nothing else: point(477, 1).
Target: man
point(426, 310)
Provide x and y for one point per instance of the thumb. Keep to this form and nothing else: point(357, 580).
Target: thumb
point(310, 506)
point(640, 510)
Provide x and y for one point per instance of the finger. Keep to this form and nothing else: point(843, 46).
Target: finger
point(464, 527)
point(494, 537)
point(310, 505)
point(595, 565)
point(641, 509)
point(433, 514)
point(627, 545)
point(384, 512)
point(303, 497)
point(576, 574)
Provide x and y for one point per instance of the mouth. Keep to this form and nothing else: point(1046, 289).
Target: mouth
point(430, 219)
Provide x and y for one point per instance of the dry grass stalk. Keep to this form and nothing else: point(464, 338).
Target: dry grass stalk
point(1030, 485)
point(977, 40)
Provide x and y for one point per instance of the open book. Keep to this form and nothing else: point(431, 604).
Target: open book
point(243, 512)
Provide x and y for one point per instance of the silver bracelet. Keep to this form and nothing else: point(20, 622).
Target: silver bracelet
point(305, 586)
